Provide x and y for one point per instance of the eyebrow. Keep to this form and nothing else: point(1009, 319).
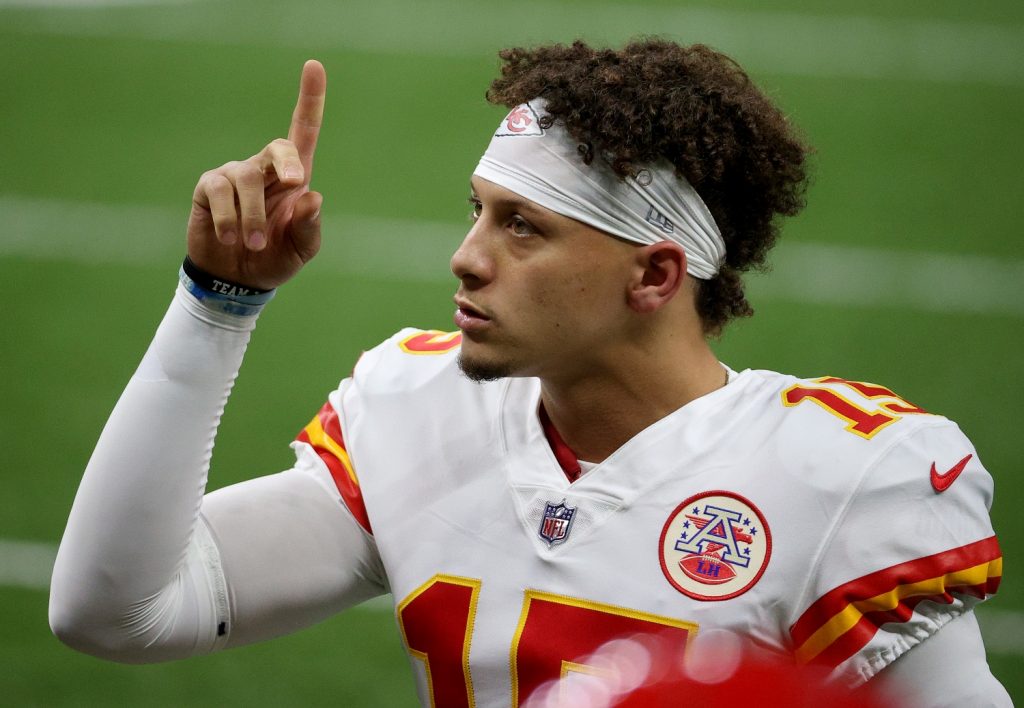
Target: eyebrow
point(516, 202)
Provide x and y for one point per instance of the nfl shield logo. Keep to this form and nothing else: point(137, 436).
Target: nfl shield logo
point(557, 522)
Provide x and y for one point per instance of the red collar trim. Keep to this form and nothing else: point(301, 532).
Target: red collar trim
point(567, 459)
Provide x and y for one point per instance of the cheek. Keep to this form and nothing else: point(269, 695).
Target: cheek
point(577, 303)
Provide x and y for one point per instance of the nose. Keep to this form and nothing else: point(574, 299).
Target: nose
point(471, 263)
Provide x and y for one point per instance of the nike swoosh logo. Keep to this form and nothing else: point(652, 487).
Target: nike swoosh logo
point(942, 482)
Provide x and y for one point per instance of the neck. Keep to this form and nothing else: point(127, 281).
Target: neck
point(600, 412)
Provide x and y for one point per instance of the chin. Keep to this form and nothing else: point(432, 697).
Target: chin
point(479, 369)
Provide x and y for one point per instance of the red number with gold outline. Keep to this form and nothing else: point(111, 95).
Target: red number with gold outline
point(859, 421)
point(436, 621)
point(431, 342)
point(554, 633)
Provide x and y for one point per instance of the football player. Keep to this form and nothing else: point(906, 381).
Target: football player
point(572, 468)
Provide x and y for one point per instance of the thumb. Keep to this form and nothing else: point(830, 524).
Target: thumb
point(306, 225)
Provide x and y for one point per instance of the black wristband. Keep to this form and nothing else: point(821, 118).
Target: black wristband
point(218, 285)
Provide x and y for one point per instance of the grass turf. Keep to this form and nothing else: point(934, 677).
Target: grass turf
point(901, 164)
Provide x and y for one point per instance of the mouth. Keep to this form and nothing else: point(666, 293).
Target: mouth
point(468, 317)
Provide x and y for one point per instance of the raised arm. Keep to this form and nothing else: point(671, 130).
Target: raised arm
point(149, 568)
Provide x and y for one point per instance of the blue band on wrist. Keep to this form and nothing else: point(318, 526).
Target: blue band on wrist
point(222, 295)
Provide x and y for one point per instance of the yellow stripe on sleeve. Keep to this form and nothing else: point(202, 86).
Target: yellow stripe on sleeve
point(319, 438)
point(848, 617)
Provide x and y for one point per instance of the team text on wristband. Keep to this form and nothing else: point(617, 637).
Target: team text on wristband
point(222, 295)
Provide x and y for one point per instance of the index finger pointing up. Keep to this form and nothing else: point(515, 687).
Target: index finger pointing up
point(309, 113)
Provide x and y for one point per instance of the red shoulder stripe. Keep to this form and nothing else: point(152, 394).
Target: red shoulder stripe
point(843, 620)
point(324, 434)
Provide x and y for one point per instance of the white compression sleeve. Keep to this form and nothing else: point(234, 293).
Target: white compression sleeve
point(947, 670)
point(143, 575)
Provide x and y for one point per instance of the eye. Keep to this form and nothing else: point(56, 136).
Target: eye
point(475, 207)
point(520, 226)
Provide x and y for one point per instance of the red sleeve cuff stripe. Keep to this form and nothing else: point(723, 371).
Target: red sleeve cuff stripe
point(846, 618)
point(861, 633)
point(324, 434)
point(837, 599)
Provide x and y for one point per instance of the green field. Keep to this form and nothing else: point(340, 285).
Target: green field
point(111, 113)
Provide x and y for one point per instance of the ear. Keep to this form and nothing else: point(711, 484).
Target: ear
point(660, 271)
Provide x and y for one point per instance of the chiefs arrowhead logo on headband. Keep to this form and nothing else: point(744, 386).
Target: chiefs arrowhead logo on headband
point(521, 120)
point(653, 206)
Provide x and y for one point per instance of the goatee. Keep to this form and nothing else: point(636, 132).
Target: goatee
point(481, 371)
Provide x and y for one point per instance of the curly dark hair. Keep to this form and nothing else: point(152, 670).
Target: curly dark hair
point(697, 108)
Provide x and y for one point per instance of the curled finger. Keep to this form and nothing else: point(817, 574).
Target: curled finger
point(248, 181)
point(282, 158)
point(217, 193)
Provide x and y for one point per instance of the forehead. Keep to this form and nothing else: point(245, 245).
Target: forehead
point(494, 193)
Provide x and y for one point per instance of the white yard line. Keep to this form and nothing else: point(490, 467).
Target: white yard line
point(28, 565)
point(1003, 630)
point(943, 51)
point(851, 276)
point(418, 251)
point(48, 4)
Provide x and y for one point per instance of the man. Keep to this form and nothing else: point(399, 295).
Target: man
point(573, 468)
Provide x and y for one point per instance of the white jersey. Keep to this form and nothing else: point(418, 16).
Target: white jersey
point(827, 519)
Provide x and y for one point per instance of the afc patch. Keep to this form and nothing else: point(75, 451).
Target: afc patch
point(715, 546)
point(556, 523)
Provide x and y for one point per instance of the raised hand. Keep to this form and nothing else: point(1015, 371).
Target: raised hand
point(256, 222)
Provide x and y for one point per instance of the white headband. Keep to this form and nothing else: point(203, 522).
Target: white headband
point(543, 165)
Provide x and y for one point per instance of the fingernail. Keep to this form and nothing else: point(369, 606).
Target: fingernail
point(292, 174)
point(228, 238)
point(257, 240)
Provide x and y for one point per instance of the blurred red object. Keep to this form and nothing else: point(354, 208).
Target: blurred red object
point(717, 671)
